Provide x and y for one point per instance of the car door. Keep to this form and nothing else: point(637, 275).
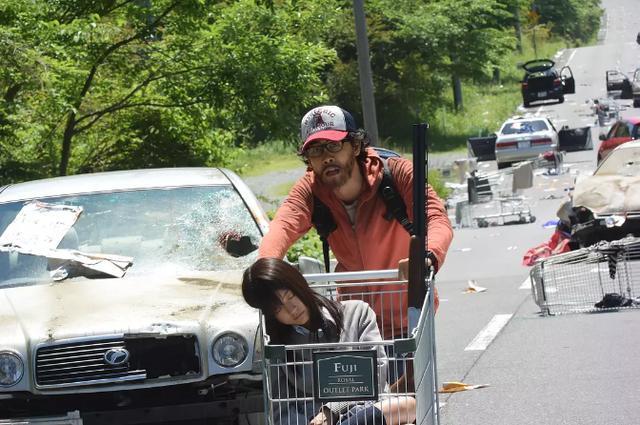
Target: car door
point(619, 134)
point(566, 75)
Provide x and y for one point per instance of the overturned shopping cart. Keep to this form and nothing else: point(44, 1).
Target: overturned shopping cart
point(493, 198)
point(395, 372)
point(603, 276)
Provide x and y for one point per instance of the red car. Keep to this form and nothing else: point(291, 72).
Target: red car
point(622, 131)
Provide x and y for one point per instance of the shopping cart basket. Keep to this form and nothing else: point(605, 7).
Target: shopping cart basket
point(504, 206)
point(600, 277)
point(355, 373)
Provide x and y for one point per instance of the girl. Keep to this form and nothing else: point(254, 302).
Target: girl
point(295, 314)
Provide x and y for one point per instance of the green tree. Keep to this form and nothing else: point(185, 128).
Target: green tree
point(182, 83)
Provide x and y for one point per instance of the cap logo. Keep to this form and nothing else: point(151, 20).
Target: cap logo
point(318, 121)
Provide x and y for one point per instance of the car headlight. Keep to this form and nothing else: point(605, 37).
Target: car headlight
point(11, 368)
point(229, 349)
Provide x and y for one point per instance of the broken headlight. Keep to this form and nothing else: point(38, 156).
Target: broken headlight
point(11, 368)
point(229, 349)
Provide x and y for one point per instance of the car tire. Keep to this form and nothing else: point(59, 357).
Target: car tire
point(636, 103)
point(502, 165)
point(561, 99)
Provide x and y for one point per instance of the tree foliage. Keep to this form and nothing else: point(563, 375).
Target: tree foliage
point(573, 19)
point(88, 85)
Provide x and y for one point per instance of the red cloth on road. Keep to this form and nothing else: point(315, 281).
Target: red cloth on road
point(558, 244)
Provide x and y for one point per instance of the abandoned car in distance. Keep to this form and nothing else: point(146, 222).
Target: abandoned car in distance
point(542, 81)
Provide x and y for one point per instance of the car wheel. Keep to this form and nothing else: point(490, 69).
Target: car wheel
point(502, 165)
point(561, 99)
point(636, 103)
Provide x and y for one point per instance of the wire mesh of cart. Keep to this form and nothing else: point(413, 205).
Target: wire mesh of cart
point(603, 276)
point(505, 205)
point(396, 374)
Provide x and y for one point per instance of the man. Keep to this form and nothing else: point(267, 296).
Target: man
point(344, 173)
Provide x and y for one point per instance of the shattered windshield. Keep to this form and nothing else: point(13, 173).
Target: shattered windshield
point(520, 127)
point(176, 230)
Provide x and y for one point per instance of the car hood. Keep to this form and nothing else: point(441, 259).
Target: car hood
point(79, 307)
point(610, 194)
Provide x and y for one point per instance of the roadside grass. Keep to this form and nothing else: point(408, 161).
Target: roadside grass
point(281, 189)
point(264, 158)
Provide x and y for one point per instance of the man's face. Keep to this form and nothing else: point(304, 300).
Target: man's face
point(335, 164)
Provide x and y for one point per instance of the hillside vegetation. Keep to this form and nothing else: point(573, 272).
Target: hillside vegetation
point(116, 84)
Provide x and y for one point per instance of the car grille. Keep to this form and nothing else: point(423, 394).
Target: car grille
point(83, 362)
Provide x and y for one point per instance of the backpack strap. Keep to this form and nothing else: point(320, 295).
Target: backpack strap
point(324, 223)
point(396, 208)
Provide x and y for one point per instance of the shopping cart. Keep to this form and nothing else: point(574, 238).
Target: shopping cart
point(500, 203)
point(301, 378)
point(604, 276)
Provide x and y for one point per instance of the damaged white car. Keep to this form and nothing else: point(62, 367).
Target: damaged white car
point(120, 298)
point(606, 205)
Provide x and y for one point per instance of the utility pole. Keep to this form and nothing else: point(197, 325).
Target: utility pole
point(517, 27)
point(364, 71)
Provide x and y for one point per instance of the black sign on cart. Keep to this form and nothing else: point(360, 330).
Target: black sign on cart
point(345, 375)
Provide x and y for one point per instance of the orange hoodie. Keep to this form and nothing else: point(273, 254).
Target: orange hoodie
point(375, 243)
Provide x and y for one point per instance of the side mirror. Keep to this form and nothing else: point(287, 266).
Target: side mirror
point(602, 136)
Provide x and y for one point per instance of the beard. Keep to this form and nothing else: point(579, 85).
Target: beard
point(339, 178)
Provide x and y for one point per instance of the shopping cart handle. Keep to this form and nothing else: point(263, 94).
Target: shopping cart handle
point(361, 275)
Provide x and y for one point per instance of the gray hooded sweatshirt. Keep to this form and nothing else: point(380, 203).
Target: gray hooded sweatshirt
point(359, 324)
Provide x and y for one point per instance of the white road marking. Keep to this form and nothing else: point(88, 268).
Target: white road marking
point(526, 284)
point(572, 55)
point(486, 335)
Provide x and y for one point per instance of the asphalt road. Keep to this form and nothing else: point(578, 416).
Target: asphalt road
point(567, 369)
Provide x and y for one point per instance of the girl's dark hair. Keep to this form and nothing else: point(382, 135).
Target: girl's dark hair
point(267, 275)
point(353, 137)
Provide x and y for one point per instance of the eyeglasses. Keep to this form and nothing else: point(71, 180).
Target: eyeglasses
point(316, 151)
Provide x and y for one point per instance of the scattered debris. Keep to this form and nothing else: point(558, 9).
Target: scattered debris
point(472, 287)
point(454, 387)
point(550, 196)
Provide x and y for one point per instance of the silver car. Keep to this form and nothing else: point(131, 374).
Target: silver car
point(120, 298)
point(522, 138)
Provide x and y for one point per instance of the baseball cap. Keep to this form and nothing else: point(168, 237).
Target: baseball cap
point(327, 123)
